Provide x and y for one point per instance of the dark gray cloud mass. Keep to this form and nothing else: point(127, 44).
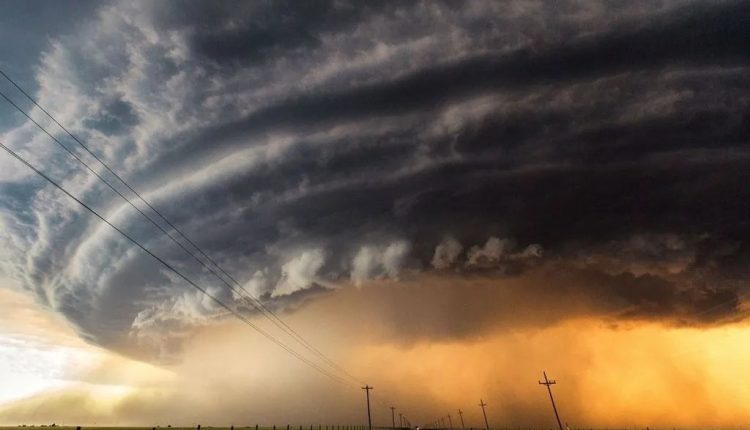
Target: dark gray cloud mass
point(311, 145)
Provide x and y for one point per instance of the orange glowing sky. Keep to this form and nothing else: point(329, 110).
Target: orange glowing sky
point(635, 374)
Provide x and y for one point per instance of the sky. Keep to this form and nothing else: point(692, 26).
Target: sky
point(444, 198)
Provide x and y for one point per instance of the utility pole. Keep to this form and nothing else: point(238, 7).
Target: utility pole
point(367, 389)
point(548, 383)
point(482, 404)
point(450, 421)
point(461, 414)
point(393, 417)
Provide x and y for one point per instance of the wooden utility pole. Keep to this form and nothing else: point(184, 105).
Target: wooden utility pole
point(393, 417)
point(548, 383)
point(450, 421)
point(482, 404)
point(367, 389)
point(461, 414)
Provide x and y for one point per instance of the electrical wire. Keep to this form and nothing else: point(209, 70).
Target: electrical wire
point(256, 303)
point(173, 269)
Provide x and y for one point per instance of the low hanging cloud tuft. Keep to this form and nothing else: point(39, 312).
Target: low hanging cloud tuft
point(372, 262)
point(300, 272)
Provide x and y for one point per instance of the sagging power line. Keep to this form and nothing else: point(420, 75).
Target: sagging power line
point(255, 302)
point(174, 270)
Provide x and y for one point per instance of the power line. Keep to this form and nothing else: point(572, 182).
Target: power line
point(174, 270)
point(110, 186)
point(256, 303)
point(268, 313)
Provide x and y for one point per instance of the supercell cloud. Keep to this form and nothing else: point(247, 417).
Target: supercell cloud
point(586, 149)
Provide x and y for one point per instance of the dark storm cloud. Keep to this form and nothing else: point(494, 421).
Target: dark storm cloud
point(455, 307)
point(306, 146)
point(264, 31)
point(702, 36)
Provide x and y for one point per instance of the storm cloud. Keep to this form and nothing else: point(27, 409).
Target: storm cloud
point(318, 146)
